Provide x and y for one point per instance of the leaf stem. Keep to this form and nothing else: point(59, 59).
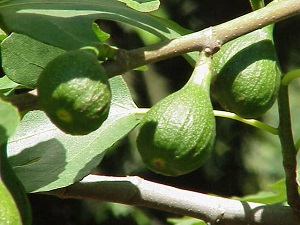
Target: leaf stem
point(290, 76)
point(140, 112)
point(252, 122)
point(289, 152)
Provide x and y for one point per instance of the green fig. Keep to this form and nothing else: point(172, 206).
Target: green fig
point(177, 134)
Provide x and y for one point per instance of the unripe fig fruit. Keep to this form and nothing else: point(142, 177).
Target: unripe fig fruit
point(247, 74)
point(74, 92)
point(177, 134)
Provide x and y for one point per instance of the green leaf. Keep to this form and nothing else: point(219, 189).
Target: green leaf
point(23, 58)
point(68, 23)
point(142, 5)
point(2, 35)
point(44, 158)
point(265, 197)
point(186, 221)
point(15, 189)
point(68, 26)
point(7, 86)
point(276, 194)
point(257, 4)
point(102, 36)
point(9, 120)
point(9, 213)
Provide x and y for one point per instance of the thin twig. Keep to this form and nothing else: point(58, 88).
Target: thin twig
point(289, 152)
point(212, 38)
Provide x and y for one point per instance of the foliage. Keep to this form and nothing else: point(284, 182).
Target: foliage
point(43, 157)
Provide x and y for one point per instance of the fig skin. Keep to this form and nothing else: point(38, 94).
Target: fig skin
point(247, 76)
point(74, 92)
point(177, 134)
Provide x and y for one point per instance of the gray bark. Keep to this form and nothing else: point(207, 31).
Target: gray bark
point(213, 210)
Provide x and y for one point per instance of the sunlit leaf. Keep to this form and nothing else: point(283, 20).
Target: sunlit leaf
point(142, 5)
point(102, 36)
point(7, 85)
point(3, 35)
point(23, 58)
point(186, 221)
point(275, 194)
point(9, 120)
point(68, 23)
point(9, 213)
point(257, 4)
